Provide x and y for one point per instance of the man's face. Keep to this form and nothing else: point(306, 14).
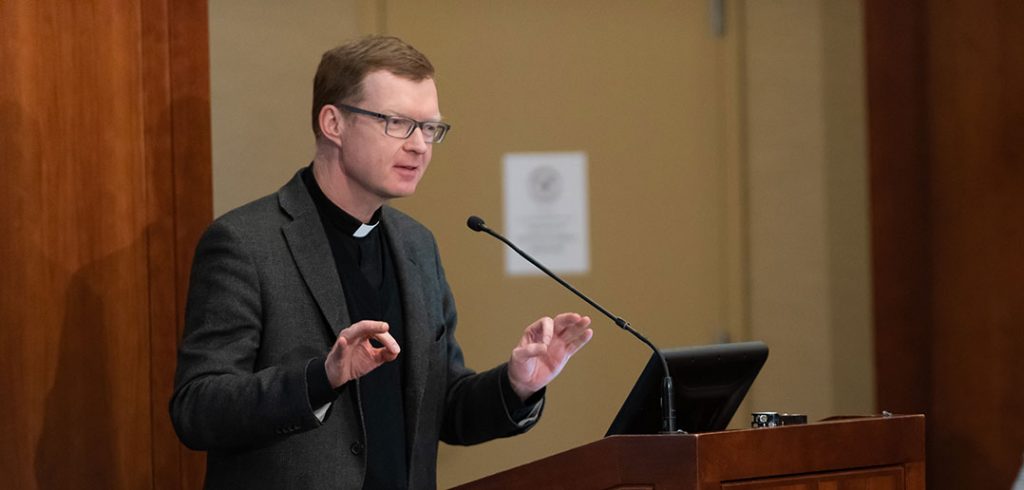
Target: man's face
point(378, 167)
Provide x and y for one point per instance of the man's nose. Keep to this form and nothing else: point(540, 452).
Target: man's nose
point(417, 142)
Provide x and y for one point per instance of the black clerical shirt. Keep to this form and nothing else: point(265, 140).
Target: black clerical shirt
point(363, 259)
point(371, 289)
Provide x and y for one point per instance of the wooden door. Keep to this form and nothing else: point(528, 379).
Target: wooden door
point(104, 147)
point(946, 126)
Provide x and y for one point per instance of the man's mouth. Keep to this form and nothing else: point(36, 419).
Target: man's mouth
point(408, 169)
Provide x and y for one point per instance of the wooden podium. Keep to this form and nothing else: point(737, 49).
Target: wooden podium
point(876, 453)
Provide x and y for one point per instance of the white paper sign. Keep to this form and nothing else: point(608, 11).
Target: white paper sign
point(546, 211)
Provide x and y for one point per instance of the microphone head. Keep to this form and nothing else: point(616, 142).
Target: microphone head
point(476, 223)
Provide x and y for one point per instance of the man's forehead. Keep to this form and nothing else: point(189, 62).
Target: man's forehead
point(401, 93)
point(384, 79)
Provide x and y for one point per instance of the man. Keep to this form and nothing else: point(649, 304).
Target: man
point(319, 347)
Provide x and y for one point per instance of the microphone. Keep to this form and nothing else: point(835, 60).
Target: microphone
point(668, 422)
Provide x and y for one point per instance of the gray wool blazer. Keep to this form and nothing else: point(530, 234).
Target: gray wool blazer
point(264, 301)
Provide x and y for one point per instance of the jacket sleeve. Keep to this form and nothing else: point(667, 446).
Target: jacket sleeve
point(220, 401)
point(476, 409)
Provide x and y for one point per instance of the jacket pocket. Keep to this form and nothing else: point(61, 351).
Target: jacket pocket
point(439, 332)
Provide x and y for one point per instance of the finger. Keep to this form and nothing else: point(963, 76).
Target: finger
point(338, 348)
point(388, 356)
point(566, 320)
point(573, 341)
point(538, 331)
point(580, 326)
point(365, 329)
point(547, 330)
point(577, 343)
point(389, 346)
point(571, 323)
point(574, 329)
point(529, 351)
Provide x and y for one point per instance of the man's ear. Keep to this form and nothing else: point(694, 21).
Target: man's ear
point(332, 125)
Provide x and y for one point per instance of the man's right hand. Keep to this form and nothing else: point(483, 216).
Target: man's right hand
point(353, 356)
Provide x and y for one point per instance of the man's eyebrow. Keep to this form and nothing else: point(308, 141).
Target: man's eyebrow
point(392, 112)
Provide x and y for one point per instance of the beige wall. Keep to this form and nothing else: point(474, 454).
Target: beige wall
point(262, 59)
point(553, 76)
point(741, 158)
point(807, 197)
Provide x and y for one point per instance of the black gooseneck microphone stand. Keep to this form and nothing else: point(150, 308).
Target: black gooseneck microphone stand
point(668, 423)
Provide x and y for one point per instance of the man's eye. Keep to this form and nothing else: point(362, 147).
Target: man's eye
point(400, 122)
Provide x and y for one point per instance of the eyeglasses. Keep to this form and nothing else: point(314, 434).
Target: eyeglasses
point(403, 127)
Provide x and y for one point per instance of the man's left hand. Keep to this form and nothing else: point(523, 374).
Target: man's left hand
point(546, 345)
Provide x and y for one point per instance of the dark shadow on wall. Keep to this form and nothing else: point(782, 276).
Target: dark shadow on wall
point(78, 445)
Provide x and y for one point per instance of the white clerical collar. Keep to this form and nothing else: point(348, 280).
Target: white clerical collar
point(364, 229)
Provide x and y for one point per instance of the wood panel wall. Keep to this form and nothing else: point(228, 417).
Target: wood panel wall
point(946, 117)
point(105, 186)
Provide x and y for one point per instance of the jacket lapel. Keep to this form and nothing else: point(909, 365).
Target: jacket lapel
point(312, 255)
point(311, 252)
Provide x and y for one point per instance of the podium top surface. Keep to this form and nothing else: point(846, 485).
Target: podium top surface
point(687, 460)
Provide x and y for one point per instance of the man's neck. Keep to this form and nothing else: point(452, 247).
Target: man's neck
point(329, 178)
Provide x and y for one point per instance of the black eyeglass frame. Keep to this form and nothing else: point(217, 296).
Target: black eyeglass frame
point(439, 132)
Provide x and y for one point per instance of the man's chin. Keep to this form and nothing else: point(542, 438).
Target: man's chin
point(404, 191)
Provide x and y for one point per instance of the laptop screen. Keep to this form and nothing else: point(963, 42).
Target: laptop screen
point(710, 381)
